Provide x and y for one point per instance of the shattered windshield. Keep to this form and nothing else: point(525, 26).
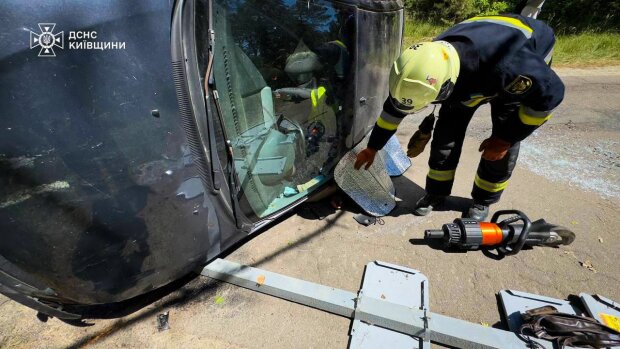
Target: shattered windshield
point(281, 69)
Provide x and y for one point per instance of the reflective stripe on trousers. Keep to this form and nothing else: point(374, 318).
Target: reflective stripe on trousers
point(492, 177)
point(441, 176)
point(489, 186)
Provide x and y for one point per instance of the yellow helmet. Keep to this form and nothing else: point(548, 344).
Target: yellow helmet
point(424, 73)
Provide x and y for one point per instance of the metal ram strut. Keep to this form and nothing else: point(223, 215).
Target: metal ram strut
point(391, 308)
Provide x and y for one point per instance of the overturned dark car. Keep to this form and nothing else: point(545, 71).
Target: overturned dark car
point(141, 139)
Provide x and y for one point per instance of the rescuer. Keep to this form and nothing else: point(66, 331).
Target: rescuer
point(502, 60)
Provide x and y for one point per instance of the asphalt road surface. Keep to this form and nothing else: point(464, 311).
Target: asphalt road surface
point(568, 173)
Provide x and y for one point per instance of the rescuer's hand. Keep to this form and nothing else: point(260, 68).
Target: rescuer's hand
point(494, 148)
point(417, 143)
point(366, 156)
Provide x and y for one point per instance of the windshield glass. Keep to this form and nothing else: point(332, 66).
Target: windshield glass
point(281, 69)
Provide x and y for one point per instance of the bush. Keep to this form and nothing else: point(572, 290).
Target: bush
point(578, 16)
point(581, 50)
point(453, 11)
point(565, 16)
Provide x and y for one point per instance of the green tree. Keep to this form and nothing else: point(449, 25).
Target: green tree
point(575, 16)
point(565, 16)
point(452, 11)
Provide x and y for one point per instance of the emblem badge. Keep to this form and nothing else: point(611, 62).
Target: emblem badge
point(520, 85)
point(47, 40)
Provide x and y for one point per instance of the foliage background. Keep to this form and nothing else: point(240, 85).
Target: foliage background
point(565, 16)
point(588, 31)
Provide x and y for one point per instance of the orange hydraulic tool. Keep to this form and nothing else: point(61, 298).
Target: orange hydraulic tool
point(508, 236)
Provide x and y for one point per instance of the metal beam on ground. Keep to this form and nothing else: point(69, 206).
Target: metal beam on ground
point(317, 296)
point(411, 321)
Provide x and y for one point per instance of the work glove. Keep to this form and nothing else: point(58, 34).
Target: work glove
point(417, 143)
point(420, 138)
point(366, 156)
point(494, 148)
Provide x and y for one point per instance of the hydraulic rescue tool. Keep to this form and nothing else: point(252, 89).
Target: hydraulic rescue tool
point(507, 236)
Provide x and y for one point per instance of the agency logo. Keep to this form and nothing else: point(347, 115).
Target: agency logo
point(47, 40)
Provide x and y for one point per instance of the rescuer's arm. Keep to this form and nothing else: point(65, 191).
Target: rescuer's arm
point(541, 91)
point(384, 129)
point(386, 125)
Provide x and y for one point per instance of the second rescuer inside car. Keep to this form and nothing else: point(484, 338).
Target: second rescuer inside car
point(501, 60)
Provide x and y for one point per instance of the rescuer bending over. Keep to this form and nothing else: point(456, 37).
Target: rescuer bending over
point(503, 60)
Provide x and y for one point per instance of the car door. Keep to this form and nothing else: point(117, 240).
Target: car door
point(287, 88)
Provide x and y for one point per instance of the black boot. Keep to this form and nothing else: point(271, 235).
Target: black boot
point(426, 204)
point(478, 212)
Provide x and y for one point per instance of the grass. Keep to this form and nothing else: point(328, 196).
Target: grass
point(587, 49)
point(420, 31)
point(575, 50)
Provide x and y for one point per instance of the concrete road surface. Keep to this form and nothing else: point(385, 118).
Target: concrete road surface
point(568, 173)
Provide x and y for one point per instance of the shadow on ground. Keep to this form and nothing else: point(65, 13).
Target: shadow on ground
point(410, 192)
point(181, 292)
